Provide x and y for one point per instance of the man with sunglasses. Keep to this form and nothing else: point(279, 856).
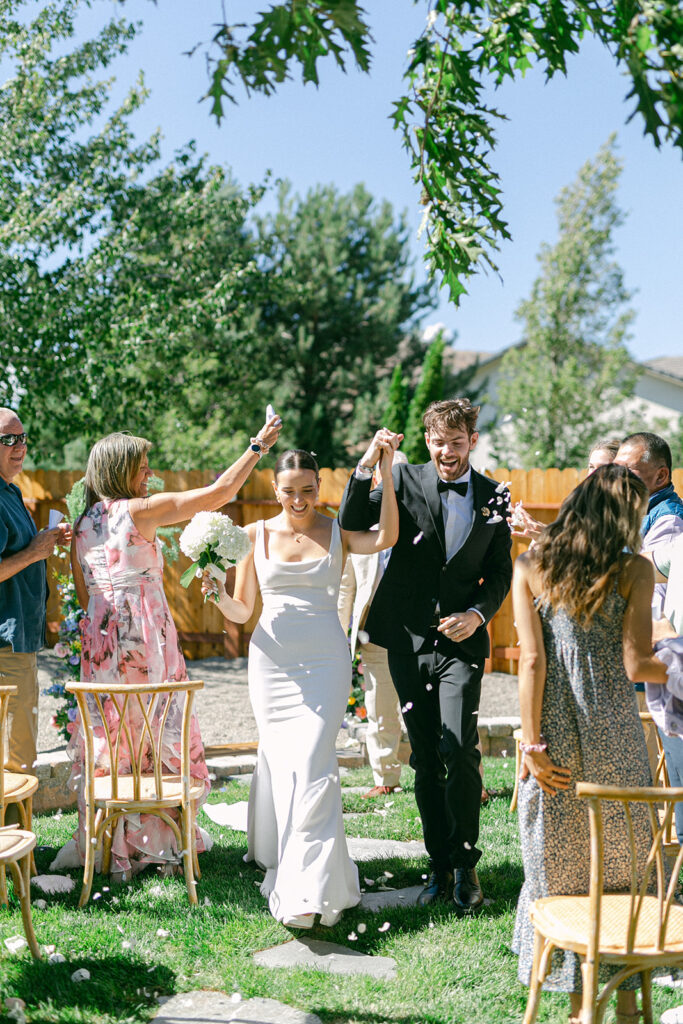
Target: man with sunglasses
point(23, 596)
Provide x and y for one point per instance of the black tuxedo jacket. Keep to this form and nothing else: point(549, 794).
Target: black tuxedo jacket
point(419, 576)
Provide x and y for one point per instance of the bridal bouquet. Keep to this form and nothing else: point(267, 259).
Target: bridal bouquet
point(213, 542)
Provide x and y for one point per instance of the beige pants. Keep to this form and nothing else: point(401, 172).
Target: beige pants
point(384, 717)
point(21, 670)
point(650, 730)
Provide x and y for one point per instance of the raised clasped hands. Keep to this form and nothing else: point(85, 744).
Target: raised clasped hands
point(459, 626)
point(550, 777)
point(383, 441)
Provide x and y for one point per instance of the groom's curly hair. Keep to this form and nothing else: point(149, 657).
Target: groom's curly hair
point(451, 414)
point(580, 555)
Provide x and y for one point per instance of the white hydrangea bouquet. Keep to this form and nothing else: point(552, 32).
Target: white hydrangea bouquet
point(213, 542)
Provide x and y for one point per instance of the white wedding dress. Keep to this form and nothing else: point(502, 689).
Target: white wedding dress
point(299, 681)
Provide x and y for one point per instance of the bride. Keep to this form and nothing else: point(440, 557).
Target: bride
point(299, 681)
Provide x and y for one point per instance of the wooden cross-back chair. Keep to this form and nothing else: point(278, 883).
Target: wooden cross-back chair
point(636, 931)
point(130, 722)
point(661, 778)
point(16, 851)
point(15, 788)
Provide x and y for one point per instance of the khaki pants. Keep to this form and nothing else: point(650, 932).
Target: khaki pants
point(384, 717)
point(21, 670)
point(650, 730)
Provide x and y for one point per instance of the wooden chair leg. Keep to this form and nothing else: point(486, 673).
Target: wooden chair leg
point(27, 817)
point(535, 981)
point(90, 846)
point(107, 839)
point(646, 983)
point(589, 971)
point(186, 830)
point(195, 855)
point(22, 884)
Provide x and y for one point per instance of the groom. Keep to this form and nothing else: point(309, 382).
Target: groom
point(447, 576)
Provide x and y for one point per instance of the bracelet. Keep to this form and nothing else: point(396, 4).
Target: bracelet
point(261, 443)
point(364, 472)
point(533, 748)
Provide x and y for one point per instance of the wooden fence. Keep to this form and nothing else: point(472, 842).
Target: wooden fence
point(203, 631)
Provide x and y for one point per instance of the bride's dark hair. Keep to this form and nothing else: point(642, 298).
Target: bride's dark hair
point(580, 555)
point(296, 458)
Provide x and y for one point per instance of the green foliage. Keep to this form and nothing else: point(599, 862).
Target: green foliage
point(338, 300)
point(429, 389)
point(447, 127)
point(151, 300)
point(396, 410)
point(562, 384)
point(301, 32)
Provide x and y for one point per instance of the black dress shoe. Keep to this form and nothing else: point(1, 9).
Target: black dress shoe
point(438, 889)
point(467, 894)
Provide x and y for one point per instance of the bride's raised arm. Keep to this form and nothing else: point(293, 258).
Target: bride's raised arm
point(366, 542)
point(239, 607)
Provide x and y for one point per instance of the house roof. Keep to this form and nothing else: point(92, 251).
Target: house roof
point(672, 366)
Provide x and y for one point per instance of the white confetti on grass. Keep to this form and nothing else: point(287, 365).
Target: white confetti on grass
point(352, 937)
point(362, 928)
point(162, 933)
point(15, 943)
point(384, 927)
point(236, 997)
point(82, 974)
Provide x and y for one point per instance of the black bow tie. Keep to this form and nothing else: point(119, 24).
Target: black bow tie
point(451, 485)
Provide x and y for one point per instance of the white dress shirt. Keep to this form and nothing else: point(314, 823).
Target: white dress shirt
point(457, 512)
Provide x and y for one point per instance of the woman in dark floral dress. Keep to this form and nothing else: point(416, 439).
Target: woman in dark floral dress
point(582, 607)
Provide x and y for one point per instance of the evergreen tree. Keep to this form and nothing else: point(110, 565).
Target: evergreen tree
point(563, 385)
point(396, 410)
point(430, 389)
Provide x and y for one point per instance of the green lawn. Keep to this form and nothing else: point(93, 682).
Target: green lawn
point(450, 971)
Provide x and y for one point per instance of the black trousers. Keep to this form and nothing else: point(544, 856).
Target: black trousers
point(439, 694)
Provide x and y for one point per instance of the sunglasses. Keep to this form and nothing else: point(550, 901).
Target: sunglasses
point(11, 439)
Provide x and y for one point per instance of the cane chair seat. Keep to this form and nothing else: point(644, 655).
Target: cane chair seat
point(15, 788)
point(19, 787)
point(16, 851)
point(634, 931)
point(566, 920)
point(131, 792)
point(129, 773)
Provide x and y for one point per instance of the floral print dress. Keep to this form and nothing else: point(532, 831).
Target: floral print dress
point(128, 636)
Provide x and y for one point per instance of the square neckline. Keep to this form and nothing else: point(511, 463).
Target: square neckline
point(306, 561)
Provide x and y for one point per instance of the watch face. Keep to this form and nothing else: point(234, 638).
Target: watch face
point(255, 448)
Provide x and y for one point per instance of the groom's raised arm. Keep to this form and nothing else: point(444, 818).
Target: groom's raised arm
point(360, 507)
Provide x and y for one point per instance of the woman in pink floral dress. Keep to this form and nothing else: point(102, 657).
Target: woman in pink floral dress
point(128, 634)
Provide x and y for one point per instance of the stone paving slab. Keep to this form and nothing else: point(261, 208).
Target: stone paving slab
point(383, 849)
point(375, 901)
point(326, 956)
point(206, 1007)
point(232, 816)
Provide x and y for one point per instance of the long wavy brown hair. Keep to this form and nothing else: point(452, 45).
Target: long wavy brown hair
point(580, 555)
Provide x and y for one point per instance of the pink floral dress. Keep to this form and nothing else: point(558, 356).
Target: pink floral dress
point(128, 636)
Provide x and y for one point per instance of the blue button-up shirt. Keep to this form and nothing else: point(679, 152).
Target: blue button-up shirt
point(23, 597)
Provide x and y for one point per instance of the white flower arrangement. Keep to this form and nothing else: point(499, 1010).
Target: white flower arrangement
point(213, 542)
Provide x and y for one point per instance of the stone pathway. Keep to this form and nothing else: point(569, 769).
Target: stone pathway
point(205, 1007)
point(326, 956)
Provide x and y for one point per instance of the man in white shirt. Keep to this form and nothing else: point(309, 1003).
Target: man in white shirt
point(361, 577)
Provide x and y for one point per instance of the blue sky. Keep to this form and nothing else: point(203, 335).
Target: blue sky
point(340, 133)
